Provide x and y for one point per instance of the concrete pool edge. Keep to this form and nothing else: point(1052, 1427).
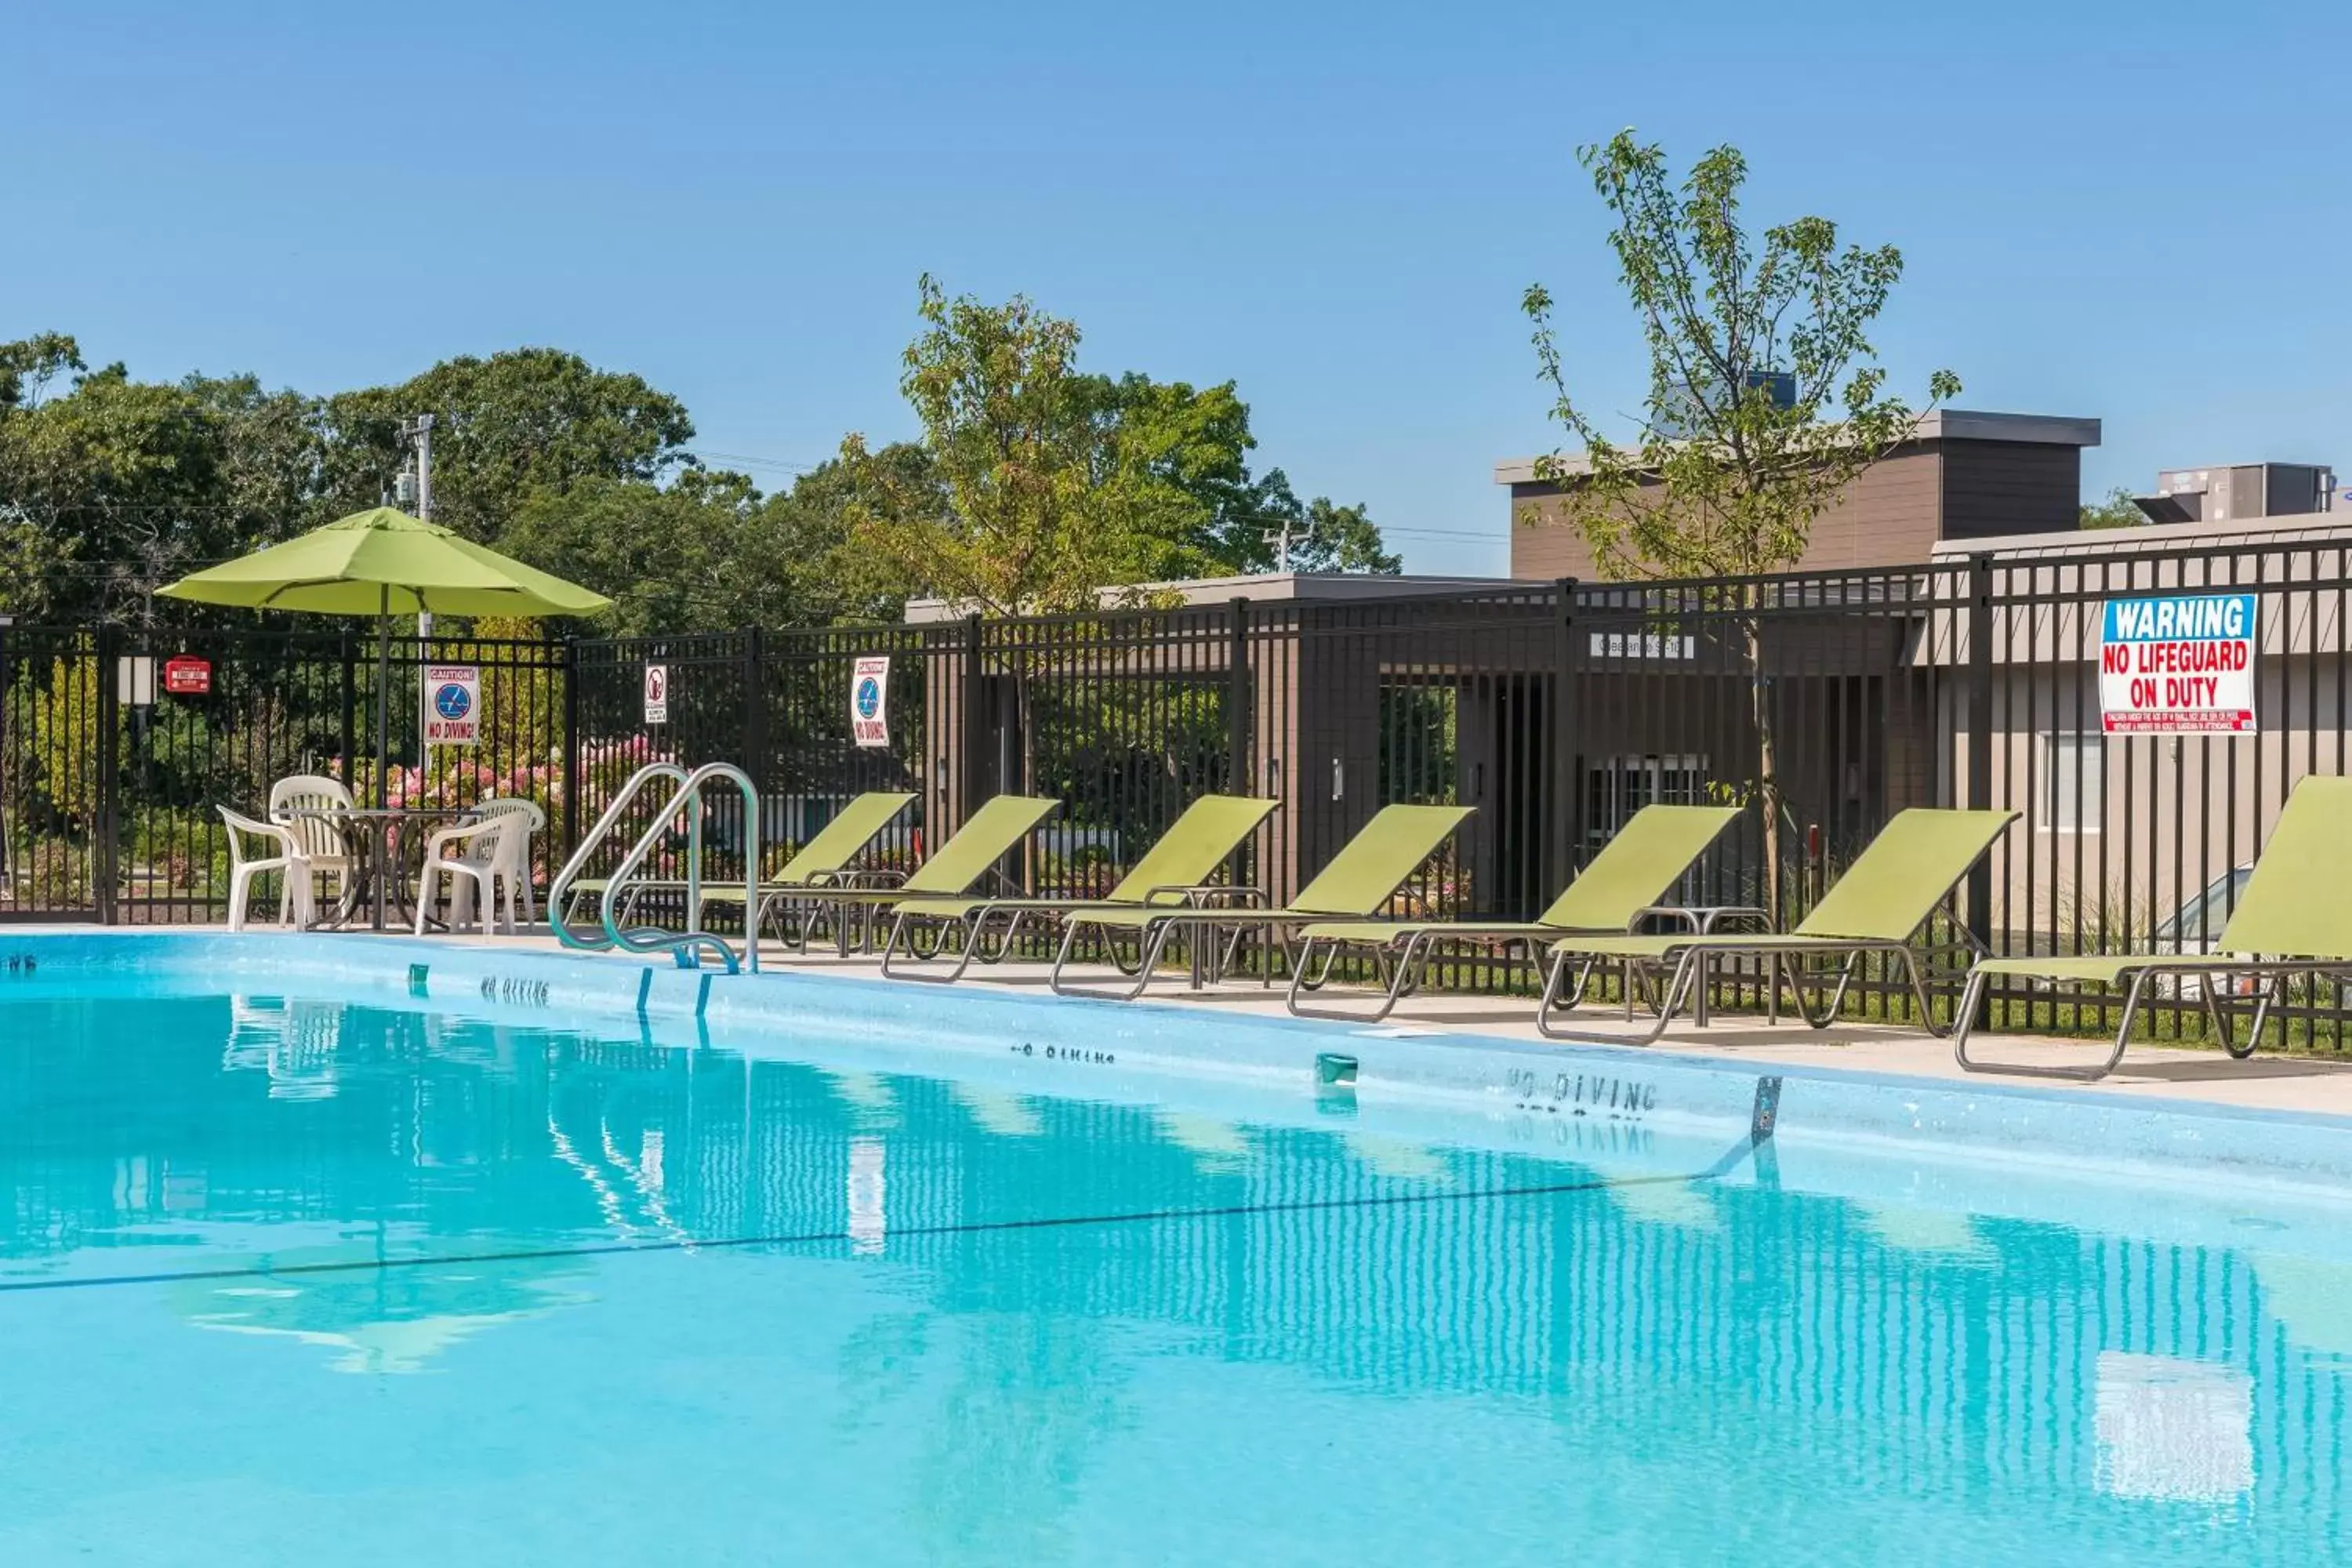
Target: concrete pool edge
point(1062, 1043)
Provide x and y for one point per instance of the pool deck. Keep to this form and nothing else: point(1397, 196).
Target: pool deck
point(2149, 1073)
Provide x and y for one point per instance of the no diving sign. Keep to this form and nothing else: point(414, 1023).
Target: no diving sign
point(2183, 664)
point(453, 704)
point(870, 701)
point(657, 694)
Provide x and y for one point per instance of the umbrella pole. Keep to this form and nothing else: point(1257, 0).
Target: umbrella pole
point(382, 695)
point(382, 743)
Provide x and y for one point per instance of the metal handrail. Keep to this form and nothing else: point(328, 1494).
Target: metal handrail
point(689, 796)
point(559, 892)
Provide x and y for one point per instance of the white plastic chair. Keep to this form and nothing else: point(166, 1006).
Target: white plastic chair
point(323, 841)
point(294, 896)
point(475, 870)
point(523, 818)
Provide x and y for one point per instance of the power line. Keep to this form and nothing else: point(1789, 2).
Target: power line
point(786, 464)
point(1445, 534)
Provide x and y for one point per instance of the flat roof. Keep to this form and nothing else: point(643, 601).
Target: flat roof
point(1936, 424)
point(1268, 586)
point(2298, 528)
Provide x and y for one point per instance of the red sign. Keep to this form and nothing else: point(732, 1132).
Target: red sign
point(185, 676)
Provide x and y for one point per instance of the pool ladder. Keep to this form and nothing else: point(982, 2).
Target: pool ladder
point(685, 798)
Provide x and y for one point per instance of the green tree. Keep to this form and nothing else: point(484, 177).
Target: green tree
point(29, 366)
point(1025, 453)
point(1192, 496)
point(33, 553)
point(121, 482)
point(115, 486)
point(701, 551)
point(110, 487)
point(1044, 484)
point(1322, 536)
point(1765, 398)
point(835, 577)
point(2119, 510)
point(1181, 458)
point(273, 449)
point(521, 422)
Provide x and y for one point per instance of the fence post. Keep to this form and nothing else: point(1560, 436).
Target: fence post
point(1237, 700)
point(1563, 803)
point(1240, 726)
point(106, 852)
point(1980, 698)
point(572, 780)
point(968, 793)
point(755, 708)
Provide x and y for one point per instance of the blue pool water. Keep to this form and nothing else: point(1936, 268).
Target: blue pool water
point(301, 1277)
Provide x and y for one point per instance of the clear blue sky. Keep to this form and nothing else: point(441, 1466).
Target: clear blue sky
point(2126, 209)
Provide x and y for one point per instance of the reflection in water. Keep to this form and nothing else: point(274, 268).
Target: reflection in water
point(1890, 1350)
point(378, 1319)
point(1917, 1229)
point(1006, 1115)
point(867, 1195)
point(1218, 1146)
point(1032, 1395)
point(2173, 1429)
point(294, 1043)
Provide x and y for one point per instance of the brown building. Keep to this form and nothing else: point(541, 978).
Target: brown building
point(1362, 690)
point(1963, 475)
point(2133, 829)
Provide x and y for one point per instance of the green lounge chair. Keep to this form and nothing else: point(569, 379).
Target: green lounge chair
point(823, 861)
point(2296, 907)
point(1363, 876)
point(972, 852)
point(1621, 885)
point(1173, 872)
point(1878, 906)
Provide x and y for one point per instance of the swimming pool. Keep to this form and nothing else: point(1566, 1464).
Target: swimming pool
point(382, 1253)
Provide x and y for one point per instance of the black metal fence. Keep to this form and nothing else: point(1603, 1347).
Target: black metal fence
point(1556, 710)
point(110, 780)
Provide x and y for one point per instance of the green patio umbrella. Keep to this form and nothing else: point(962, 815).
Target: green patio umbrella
point(384, 563)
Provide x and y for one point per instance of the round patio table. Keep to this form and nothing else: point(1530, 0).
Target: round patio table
point(382, 836)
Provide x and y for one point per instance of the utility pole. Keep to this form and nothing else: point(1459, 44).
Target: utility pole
point(1280, 540)
point(419, 431)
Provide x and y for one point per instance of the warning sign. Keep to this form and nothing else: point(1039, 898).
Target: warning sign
point(657, 694)
point(870, 701)
point(453, 704)
point(2179, 665)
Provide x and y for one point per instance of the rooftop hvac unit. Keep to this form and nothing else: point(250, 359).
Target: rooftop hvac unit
point(2242, 491)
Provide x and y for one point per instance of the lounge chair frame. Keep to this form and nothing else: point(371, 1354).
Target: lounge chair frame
point(1613, 894)
point(1204, 836)
point(2294, 904)
point(854, 897)
point(2273, 973)
point(1402, 968)
point(970, 931)
point(1241, 907)
point(1694, 971)
point(1910, 844)
point(1362, 875)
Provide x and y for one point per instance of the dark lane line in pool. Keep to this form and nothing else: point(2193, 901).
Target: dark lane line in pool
point(1731, 1161)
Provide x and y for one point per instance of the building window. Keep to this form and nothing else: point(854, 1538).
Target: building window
point(2073, 783)
point(1620, 786)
